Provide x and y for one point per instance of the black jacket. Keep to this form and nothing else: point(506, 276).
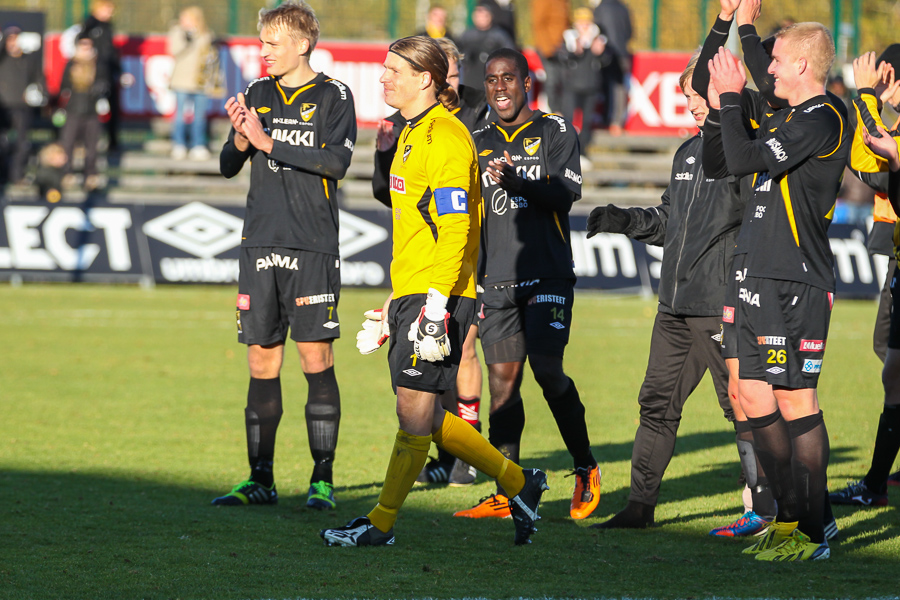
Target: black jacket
point(101, 32)
point(696, 224)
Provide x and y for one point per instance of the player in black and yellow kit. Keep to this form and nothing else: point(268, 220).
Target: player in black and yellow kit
point(298, 128)
point(757, 107)
point(787, 281)
point(435, 198)
point(874, 160)
point(531, 175)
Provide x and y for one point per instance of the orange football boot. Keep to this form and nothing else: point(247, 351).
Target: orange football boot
point(495, 505)
point(586, 496)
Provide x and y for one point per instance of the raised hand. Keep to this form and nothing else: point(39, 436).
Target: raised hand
point(726, 74)
point(884, 146)
point(864, 72)
point(889, 82)
point(504, 174)
point(253, 127)
point(728, 9)
point(748, 12)
point(384, 136)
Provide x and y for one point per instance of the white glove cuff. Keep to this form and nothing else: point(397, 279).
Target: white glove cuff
point(435, 305)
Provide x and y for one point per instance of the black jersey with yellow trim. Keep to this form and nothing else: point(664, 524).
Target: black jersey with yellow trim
point(519, 239)
point(784, 233)
point(291, 202)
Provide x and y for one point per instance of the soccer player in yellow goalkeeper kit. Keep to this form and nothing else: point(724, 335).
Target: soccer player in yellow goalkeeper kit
point(435, 195)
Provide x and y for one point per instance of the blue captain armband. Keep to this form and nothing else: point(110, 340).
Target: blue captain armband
point(451, 200)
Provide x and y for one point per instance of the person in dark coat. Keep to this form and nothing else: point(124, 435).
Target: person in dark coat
point(21, 92)
point(98, 27)
point(614, 20)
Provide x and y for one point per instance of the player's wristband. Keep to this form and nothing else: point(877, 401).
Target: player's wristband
point(435, 305)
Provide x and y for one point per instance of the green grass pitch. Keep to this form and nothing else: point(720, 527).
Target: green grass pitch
point(123, 417)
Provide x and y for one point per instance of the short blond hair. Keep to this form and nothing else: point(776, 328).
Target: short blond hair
point(450, 49)
point(296, 18)
point(812, 41)
point(688, 72)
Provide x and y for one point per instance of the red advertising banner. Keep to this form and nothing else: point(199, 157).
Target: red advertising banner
point(656, 104)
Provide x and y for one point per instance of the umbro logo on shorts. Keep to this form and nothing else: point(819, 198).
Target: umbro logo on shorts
point(331, 325)
point(412, 372)
point(775, 370)
point(558, 325)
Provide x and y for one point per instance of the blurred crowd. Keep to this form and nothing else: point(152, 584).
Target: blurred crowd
point(85, 114)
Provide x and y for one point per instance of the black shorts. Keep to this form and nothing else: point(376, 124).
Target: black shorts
point(729, 333)
point(894, 335)
point(281, 288)
point(408, 371)
point(540, 309)
point(782, 328)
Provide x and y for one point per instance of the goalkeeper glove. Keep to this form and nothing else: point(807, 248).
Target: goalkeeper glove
point(429, 331)
point(374, 333)
point(608, 219)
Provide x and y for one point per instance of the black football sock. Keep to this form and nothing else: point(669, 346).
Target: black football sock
point(323, 418)
point(568, 411)
point(887, 443)
point(262, 416)
point(505, 430)
point(763, 501)
point(829, 523)
point(772, 441)
point(809, 439)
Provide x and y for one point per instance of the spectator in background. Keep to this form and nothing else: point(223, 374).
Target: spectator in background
point(837, 87)
point(584, 48)
point(98, 28)
point(784, 23)
point(477, 43)
point(51, 169)
point(21, 91)
point(84, 94)
point(436, 23)
point(614, 20)
point(504, 17)
point(191, 45)
point(550, 18)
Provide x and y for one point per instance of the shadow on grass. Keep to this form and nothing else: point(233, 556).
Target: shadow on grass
point(73, 535)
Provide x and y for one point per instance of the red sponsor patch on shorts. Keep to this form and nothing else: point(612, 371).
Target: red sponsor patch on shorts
point(830, 300)
point(812, 345)
point(728, 314)
point(243, 301)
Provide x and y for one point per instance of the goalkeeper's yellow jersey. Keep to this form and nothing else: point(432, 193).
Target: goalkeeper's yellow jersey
point(436, 200)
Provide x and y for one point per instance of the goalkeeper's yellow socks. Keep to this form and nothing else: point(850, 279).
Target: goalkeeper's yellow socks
point(462, 441)
point(407, 459)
